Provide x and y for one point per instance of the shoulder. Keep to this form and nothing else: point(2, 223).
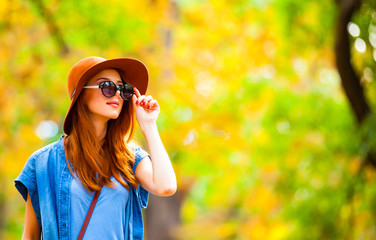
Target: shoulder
point(136, 148)
point(139, 154)
point(47, 155)
point(133, 145)
point(45, 150)
point(52, 148)
point(34, 166)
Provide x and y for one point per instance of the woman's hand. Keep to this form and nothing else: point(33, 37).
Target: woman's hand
point(147, 109)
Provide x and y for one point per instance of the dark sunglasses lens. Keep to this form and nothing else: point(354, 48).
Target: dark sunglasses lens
point(108, 89)
point(126, 91)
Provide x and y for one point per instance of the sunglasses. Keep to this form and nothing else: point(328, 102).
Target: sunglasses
point(109, 89)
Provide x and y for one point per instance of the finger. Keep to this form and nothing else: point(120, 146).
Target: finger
point(134, 99)
point(140, 99)
point(153, 104)
point(138, 94)
point(145, 100)
point(148, 99)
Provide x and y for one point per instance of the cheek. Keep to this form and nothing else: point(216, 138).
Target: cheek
point(93, 99)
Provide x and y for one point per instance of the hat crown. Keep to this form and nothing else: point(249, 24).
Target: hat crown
point(79, 69)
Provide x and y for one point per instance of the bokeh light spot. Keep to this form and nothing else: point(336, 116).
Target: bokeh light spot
point(360, 45)
point(353, 29)
point(46, 129)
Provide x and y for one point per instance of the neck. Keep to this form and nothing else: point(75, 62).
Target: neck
point(100, 126)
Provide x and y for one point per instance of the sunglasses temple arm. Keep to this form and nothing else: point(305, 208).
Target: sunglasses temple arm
point(91, 87)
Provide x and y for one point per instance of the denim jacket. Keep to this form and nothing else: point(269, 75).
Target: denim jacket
point(47, 179)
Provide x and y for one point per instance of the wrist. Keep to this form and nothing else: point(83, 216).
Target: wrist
point(148, 127)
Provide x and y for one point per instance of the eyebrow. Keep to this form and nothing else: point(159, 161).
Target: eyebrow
point(107, 79)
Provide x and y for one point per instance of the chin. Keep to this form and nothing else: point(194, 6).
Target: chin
point(113, 115)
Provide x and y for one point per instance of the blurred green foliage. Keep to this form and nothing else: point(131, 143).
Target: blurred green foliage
point(253, 115)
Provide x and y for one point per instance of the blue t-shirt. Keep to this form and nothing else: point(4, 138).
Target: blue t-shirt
point(108, 220)
point(48, 181)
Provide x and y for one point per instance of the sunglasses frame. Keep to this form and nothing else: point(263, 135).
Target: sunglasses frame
point(118, 88)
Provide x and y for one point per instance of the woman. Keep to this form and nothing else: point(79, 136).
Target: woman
point(61, 181)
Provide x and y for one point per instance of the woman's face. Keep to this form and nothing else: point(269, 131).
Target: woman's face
point(103, 108)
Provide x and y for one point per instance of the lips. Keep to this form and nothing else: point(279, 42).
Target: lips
point(113, 103)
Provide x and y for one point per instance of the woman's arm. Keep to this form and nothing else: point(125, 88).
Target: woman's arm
point(32, 228)
point(157, 176)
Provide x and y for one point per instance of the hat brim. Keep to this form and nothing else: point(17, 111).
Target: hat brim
point(135, 72)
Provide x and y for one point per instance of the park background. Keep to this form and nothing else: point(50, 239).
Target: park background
point(267, 108)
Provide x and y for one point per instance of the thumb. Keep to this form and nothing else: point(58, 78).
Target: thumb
point(134, 99)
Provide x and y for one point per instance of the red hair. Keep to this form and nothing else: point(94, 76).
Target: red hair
point(94, 164)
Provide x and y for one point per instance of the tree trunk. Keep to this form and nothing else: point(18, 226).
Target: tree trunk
point(162, 216)
point(350, 80)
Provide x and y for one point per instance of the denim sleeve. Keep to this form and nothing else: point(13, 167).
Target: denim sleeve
point(26, 183)
point(143, 195)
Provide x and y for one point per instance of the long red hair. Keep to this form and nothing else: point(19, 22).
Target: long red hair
point(94, 164)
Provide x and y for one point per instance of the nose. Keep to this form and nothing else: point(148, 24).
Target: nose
point(117, 94)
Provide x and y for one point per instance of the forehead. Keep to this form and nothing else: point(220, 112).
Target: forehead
point(110, 74)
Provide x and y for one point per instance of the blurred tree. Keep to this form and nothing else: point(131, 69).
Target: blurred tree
point(52, 26)
point(350, 80)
